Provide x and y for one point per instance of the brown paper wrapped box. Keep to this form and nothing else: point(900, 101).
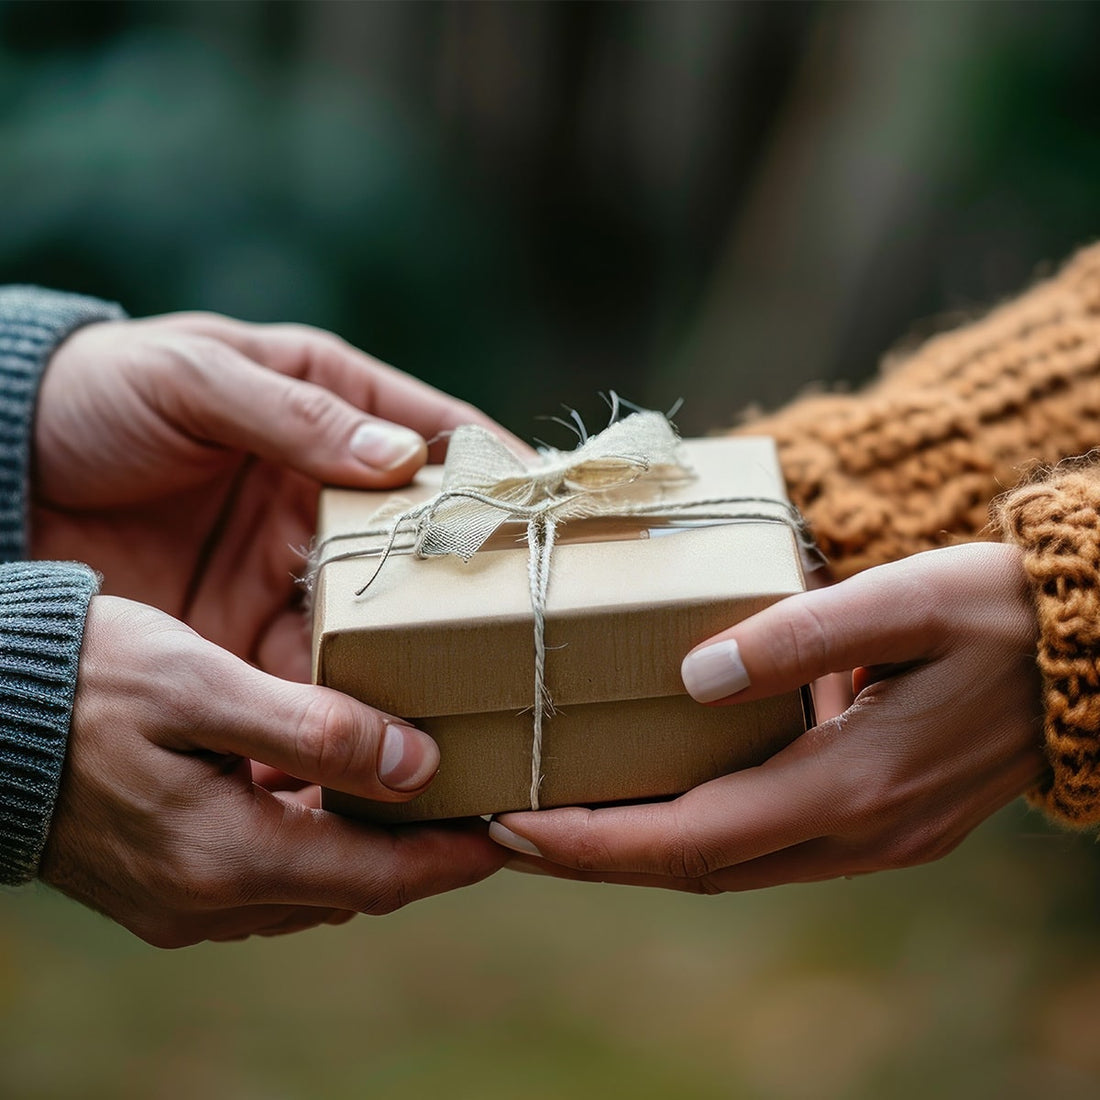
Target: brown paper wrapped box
point(448, 645)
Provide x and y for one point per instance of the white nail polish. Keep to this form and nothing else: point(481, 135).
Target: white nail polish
point(508, 839)
point(383, 445)
point(714, 672)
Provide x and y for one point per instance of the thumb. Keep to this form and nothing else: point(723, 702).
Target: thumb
point(312, 733)
point(883, 616)
point(239, 403)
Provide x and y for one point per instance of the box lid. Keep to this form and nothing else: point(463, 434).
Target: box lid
point(441, 636)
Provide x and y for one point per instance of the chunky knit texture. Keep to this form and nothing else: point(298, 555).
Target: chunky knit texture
point(913, 461)
point(1056, 522)
point(42, 606)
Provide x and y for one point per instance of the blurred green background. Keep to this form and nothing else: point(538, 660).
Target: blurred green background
point(527, 204)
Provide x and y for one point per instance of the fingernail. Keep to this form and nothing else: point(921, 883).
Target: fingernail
point(409, 758)
point(384, 446)
point(504, 836)
point(714, 672)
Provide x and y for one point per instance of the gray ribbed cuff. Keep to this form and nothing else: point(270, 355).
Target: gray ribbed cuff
point(43, 606)
point(32, 324)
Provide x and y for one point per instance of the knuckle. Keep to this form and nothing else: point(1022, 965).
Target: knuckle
point(325, 741)
point(202, 883)
point(687, 855)
point(309, 405)
point(807, 635)
point(384, 895)
point(462, 412)
point(869, 798)
point(194, 360)
point(706, 886)
point(397, 896)
point(299, 331)
point(322, 355)
point(590, 851)
point(924, 842)
point(178, 374)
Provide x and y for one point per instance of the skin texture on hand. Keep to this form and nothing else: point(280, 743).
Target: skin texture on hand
point(944, 730)
point(182, 456)
point(163, 822)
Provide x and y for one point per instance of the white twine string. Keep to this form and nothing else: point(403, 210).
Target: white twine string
point(460, 518)
point(540, 539)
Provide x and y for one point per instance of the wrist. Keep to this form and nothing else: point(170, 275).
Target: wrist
point(42, 613)
point(33, 323)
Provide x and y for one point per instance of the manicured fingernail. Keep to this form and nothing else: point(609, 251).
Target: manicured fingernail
point(384, 446)
point(714, 672)
point(408, 760)
point(508, 839)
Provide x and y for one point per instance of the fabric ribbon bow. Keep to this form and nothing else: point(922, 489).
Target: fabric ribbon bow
point(485, 485)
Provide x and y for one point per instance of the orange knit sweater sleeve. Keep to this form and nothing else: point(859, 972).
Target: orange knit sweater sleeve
point(913, 461)
point(1056, 523)
point(978, 422)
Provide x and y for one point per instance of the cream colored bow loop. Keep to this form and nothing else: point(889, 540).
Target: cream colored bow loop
point(484, 484)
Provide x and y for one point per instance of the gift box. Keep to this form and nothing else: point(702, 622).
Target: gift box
point(448, 644)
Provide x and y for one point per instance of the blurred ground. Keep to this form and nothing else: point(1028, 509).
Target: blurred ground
point(976, 977)
point(527, 204)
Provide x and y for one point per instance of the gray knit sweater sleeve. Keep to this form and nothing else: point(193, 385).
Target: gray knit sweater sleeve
point(42, 604)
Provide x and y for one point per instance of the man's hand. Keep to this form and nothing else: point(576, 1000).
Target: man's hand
point(162, 825)
point(181, 456)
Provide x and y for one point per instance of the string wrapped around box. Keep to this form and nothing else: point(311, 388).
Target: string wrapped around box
point(618, 472)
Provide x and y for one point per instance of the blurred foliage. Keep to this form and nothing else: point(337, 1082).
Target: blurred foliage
point(529, 203)
point(526, 204)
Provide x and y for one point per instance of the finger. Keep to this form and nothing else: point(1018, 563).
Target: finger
point(310, 857)
point(927, 837)
point(341, 916)
point(309, 797)
point(371, 385)
point(272, 779)
point(229, 400)
point(300, 919)
point(814, 634)
point(814, 861)
point(248, 597)
point(729, 820)
point(312, 733)
point(788, 820)
point(833, 695)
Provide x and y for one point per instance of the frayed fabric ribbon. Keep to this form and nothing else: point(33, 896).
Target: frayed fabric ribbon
point(485, 485)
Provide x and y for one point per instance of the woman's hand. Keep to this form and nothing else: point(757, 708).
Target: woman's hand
point(945, 730)
point(181, 456)
point(162, 825)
